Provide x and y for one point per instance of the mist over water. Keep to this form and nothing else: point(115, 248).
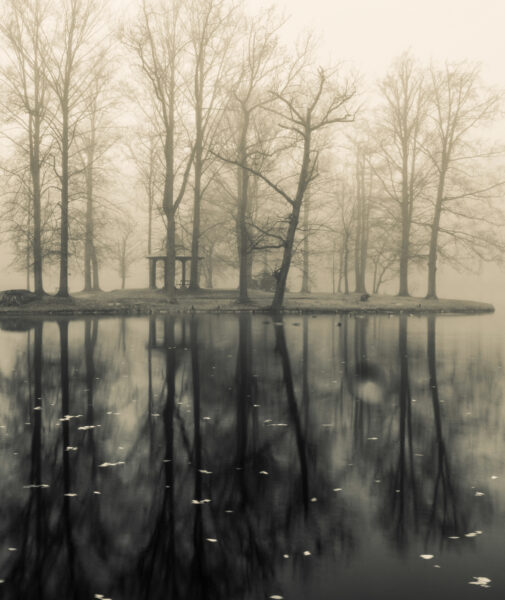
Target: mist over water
point(237, 457)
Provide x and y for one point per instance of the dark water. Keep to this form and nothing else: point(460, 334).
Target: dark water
point(230, 457)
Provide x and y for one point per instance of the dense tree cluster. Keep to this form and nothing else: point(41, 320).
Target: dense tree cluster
point(188, 127)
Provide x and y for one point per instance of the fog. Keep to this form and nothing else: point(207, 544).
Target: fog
point(359, 45)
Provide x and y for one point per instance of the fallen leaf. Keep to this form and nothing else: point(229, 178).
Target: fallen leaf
point(481, 581)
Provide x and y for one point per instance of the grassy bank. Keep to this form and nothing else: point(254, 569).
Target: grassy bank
point(142, 301)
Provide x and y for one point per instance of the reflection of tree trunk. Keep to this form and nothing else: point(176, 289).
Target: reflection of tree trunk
point(404, 398)
point(443, 477)
point(168, 422)
point(36, 459)
point(198, 567)
point(282, 348)
point(305, 371)
point(65, 399)
point(157, 564)
point(150, 404)
point(90, 337)
point(244, 393)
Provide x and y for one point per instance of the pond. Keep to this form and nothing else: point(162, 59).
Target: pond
point(244, 457)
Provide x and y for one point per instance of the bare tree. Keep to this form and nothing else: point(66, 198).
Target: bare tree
point(400, 130)
point(260, 62)
point(25, 79)
point(96, 136)
point(125, 248)
point(75, 51)
point(459, 104)
point(212, 25)
point(307, 106)
point(159, 48)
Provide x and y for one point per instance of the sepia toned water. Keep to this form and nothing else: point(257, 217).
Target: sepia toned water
point(234, 457)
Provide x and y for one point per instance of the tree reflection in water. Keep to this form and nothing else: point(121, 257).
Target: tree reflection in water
point(187, 457)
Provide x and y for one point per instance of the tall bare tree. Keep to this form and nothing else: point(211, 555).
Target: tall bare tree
point(76, 48)
point(401, 125)
point(459, 104)
point(22, 29)
point(160, 48)
point(212, 25)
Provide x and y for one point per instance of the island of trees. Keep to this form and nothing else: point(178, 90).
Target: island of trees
point(189, 127)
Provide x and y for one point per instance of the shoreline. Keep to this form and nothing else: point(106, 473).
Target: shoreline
point(146, 302)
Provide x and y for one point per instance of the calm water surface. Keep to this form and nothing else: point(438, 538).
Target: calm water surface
point(234, 457)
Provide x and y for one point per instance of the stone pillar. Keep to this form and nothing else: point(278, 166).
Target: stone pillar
point(152, 273)
point(183, 265)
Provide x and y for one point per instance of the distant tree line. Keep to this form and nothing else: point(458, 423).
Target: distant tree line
point(190, 127)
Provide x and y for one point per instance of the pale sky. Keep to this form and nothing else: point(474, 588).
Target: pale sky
point(370, 33)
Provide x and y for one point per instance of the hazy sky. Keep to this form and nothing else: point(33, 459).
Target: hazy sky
point(370, 33)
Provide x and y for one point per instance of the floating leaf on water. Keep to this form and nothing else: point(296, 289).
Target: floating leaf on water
point(167, 460)
point(471, 534)
point(278, 424)
point(285, 556)
point(306, 553)
point(372, 438)
point(155, 414)
point(212, 540)
point(228, 512)
point(86, 427)
point(68, 417)
point(426, 556)
point(481, 581)
point(267, 421)
point(96, 492)
point(313, 499)
point(454, 537)
point(70, 448)
point(479, 494)
point(436, 566)
point(99, 596)
point(337, 489)
point(112, 464)
point(418, 454)
point(12, 549)
point(494, 476)
point(263, 472)
point(36, 485)
point(326, 424)
point(377, 481)
point(204, 501)
point(70, 495)
point(204, 472)
point(276, 597)
point(206, 418)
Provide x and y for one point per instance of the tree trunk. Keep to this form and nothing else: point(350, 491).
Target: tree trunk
point(405, 231)
point(94, 262)
point(37, 233)
point(303, 182)
point(306, 249)
point(435, 228)
point(89, 233)
point(242, 234)
point(194, 282)
point(63, 289)
point(433, 255)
